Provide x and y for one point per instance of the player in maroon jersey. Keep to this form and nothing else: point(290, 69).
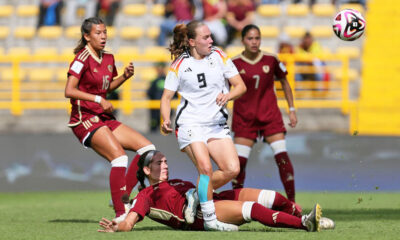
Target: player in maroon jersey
point(91, 75)
point(164, 202)
point(256, 113)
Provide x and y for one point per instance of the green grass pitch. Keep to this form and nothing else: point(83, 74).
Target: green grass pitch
point(75, 215)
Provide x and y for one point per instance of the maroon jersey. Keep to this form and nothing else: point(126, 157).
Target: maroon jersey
point(95, 75)
point(163, 202)
point(258, 106)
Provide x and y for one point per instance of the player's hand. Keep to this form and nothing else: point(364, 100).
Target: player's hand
point(293, 119)
point(222, 99)
point(166, 127)
point(106, 105)
point(107, 226)
point(129, 71)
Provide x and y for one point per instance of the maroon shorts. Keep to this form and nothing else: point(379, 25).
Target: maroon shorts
point(91, 123)
point(253, 133)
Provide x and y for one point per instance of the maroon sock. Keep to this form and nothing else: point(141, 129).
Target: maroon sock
point(284, 205)
point(273, 218)
point(131, 179)
point(287, 175)
point(118, 187)
point(238, 182)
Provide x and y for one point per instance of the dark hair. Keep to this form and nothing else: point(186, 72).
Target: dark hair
point(85, 29)
point(247, 28)
point(182, 34)
point(144, 160)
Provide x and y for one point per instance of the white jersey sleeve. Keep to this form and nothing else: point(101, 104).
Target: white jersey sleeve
point(230, 69)
point(171, 81)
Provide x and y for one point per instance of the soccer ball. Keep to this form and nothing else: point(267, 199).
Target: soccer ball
point(348, 25)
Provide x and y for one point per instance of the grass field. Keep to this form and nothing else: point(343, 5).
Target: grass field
point(75, 215)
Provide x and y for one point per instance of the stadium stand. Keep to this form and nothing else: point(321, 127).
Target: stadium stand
point(132, 38)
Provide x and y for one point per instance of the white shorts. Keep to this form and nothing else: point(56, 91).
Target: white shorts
point(189, 134)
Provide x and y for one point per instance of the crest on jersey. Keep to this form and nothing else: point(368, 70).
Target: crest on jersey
point(211, 63)
point(266, 68)
point(95, 70)
point(94, 119)
point(110, 68)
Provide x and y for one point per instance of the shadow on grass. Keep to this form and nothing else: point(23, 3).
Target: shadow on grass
point(73, 221)
point(362, 214)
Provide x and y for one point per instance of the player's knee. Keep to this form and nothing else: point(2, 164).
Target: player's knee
point(232, 170)
point(205, 168)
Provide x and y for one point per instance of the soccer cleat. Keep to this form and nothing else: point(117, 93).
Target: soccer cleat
point(312, 220)
point(326, 223)
point(220, 226)
point(192, 200)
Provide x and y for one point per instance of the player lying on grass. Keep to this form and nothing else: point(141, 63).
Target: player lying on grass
point(164, 201)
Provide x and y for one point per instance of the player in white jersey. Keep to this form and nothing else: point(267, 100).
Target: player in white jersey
point(200, 74)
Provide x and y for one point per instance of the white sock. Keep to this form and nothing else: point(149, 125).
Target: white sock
point(208, 210)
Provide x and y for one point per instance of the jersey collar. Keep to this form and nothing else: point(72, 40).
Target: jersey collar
point(256, 60)
point(94, 56)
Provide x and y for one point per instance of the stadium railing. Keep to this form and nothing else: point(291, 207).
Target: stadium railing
point(19, 94)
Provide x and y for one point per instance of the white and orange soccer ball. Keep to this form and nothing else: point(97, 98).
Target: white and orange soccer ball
point(348, 25)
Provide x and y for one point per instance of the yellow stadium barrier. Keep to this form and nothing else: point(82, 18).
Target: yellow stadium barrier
point(19, 94)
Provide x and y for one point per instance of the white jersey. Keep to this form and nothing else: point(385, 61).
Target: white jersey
point(199, 82)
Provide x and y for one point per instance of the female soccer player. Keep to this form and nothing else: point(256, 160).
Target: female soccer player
point(199, 74)
point(91, 75)
point(256, 113)
point(164, 200)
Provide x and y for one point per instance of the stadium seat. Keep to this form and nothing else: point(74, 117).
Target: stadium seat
point(321, 31)
point(294, 31)
point(323, 10)
point(7, 74)
point(134, 9)
point(26, 33)
point(140, 85)
point(19, 51)
point(61, 74)
point(42, 74)
point(158, 10)
point(111, 32)
point(73, 32)
point(1, 51)
point(269, 10)
point(297, 10)
point(269, 31)
point(4, 32)
point(351, 52)
point(131, 33)
point(45, 51)
point(233, 51)
point(6, 11)
point(153, 32)
point(133, 52)
point(68, 52)
point(50, 32)
point(156, 53)
point(27, 10)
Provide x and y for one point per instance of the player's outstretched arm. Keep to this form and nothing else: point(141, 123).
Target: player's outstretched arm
point(124, 226)
point(128, 73)
point(239, 88)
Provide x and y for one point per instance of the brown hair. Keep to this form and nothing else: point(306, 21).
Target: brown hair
point(85, 29)
point(182, 34)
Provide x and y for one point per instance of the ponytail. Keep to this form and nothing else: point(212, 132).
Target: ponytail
point(180, 43)
point(182, 34)
point(85, 29)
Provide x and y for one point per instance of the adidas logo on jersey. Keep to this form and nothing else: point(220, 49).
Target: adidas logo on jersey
point(188, 69)
point(242, 71)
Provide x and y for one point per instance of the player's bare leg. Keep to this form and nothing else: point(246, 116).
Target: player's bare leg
point(226, 160)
